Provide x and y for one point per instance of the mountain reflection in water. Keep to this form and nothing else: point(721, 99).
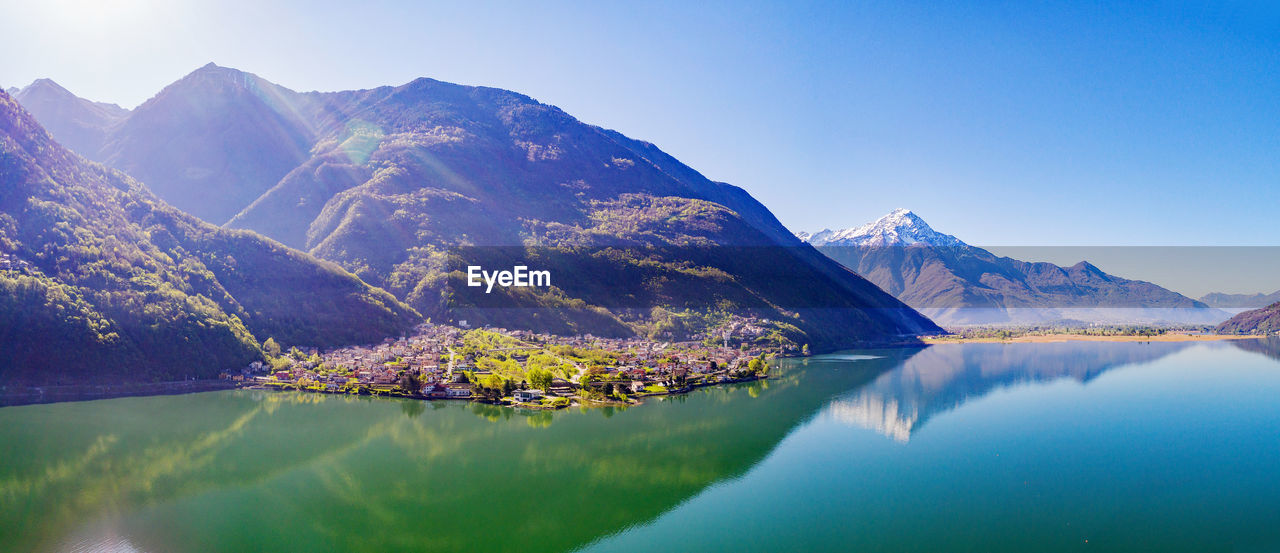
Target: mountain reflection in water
point(941, 378)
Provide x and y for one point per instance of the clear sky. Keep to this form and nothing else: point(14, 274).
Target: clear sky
point(1012, 123)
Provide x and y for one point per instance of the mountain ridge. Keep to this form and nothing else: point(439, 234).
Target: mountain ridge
point(1252, 301)
point(80, 124)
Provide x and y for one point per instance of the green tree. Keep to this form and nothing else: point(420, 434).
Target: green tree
point(541, 379)
point(271, 347)
point(489, 387)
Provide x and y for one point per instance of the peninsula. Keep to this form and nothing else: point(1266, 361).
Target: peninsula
point(518, 367)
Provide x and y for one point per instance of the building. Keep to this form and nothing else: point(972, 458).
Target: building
point(435, 390)
point(527, 396)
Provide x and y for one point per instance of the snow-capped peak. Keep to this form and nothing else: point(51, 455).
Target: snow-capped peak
point(900, 227)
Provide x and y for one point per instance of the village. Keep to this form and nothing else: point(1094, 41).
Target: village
point(516, 367)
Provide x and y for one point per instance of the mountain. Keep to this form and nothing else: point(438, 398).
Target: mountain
point(79, 124)
point(164, 142)
point(1236, 301)
point(408, 185)
point(956, 283)
point(101, 281)
point(1258, 321)
point(900, 227)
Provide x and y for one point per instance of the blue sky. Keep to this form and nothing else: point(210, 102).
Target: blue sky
point(1073, 123)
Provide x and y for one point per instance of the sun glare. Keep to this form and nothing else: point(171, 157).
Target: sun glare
point(90, 17)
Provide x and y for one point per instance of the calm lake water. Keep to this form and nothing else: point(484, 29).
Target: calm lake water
point(979, 447)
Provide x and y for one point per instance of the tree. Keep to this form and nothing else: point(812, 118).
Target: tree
point(271, 347)
point(804, 350)
point(489, 387)
point(594, 373)
point(541, 379)
point(410, 383)
point(281, 364)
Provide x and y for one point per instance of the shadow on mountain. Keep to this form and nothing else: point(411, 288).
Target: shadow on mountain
point(942, 378)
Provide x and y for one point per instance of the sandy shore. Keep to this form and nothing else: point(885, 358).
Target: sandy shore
point(1051, 338)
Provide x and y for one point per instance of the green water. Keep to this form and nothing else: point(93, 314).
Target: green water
point(980, 447)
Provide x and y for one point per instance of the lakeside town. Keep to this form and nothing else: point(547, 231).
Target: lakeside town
point(520, 368)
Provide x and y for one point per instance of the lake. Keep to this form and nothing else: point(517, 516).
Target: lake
point(957, 447)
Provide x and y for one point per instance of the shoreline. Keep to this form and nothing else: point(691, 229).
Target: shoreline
point(1058, 338)
point(638, 398)
point(13, 396)
point(16, 396)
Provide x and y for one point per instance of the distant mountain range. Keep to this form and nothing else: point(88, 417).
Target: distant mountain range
point(407, 185)
point(101, 281)
point(958, 284)
point(1238, 301)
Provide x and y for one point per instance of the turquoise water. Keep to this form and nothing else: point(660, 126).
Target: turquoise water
point(977, 447)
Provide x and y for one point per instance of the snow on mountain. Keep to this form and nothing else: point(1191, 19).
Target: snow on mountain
point(900, 227)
